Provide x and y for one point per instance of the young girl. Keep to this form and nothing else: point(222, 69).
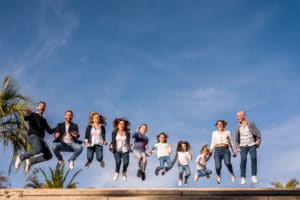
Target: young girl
point(95, 138)
point(201, 163)
point(139, 148)
point(183, 156)
point(120, 146)
point(163, 151)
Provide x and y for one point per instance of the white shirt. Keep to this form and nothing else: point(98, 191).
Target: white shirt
point(202, 160)
point(96, 136)
point(183, 157)
point(68, 138)
point(246, 138)
point(221, 138)
point(162, 149)
point(122, 145)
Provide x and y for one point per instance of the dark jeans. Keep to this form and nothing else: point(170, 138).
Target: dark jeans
point(253, 157)
point(66, 147)
point(98, 149)
point(119, 156)
point(220, 154)
point(40, 150)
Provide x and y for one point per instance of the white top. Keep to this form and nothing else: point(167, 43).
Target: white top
point(221, 138)
point(122, 146)
point(96, 136)
point(162, 149)
point(246, 138)
point(68, 137)
point(202, 159)
point(183, 157)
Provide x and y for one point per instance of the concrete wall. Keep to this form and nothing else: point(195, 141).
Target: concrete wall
point(151, 194)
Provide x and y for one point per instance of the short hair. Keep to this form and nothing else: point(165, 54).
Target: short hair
point(241, 111)
point(204, 148)
point(70, 111)
point(140, 126)
point(222, 121)
point(42, 102)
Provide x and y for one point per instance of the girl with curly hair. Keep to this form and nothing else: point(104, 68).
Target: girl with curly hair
point(120, 146)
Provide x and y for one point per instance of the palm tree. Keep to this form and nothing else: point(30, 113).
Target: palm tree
point(12, 125)
point(57, 180)
point(290, 184)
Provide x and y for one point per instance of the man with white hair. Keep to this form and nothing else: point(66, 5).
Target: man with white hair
point(248, 138)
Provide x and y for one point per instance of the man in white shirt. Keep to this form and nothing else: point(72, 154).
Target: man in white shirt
point(248, 138)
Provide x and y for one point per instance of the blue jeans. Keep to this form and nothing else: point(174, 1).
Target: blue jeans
point(182, 169)
point(162, 161)
point(253, 157)
point(119, 156)
point(98, 149)
point(220, 154)
point(66, 147)
point(203, 172)
point(40, 150)
point(141, 159)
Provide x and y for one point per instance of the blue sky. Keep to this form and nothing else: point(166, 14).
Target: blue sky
point(177, 66)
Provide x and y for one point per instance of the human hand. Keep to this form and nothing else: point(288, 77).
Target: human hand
point(74, 133)
point(56, 135)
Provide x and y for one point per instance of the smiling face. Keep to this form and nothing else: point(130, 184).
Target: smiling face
point(184, 146)
point(68, 116)
point(41, 108)
point(121, 126)
point(162, 138)
point(143, 129)
point(240, 116)
point(220, 126)
point(96, 119)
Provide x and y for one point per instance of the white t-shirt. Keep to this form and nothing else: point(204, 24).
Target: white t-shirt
point(162, 149)
point(68, 137)
point(183, 157)
point(203, 160)
point(122, 145)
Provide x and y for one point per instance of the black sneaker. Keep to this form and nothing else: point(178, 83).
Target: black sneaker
point(143, 176)
point(139, 173)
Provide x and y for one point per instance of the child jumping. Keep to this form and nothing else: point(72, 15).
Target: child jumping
point(163, 151)
point(201, 163)
point(183, 156)
point(139, 148)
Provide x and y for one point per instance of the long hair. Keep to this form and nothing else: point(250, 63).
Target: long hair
point(118, 120)
point(164, 134)
point(179, 148)
point(102, 119)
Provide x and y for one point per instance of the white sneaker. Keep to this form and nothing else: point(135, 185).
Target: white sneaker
point(232, 178)
point(219, 180)
point(180, 182)
point(254, 179)
point(18, 162)
point(196, 177)
point(71, 164)
point(243, 180)
point(124, 177)
point(27, 166)
point(116, 176)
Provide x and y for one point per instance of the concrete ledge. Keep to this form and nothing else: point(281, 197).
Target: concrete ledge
point(151, 194)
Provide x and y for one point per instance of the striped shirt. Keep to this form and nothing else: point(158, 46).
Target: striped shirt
point(246, 138)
